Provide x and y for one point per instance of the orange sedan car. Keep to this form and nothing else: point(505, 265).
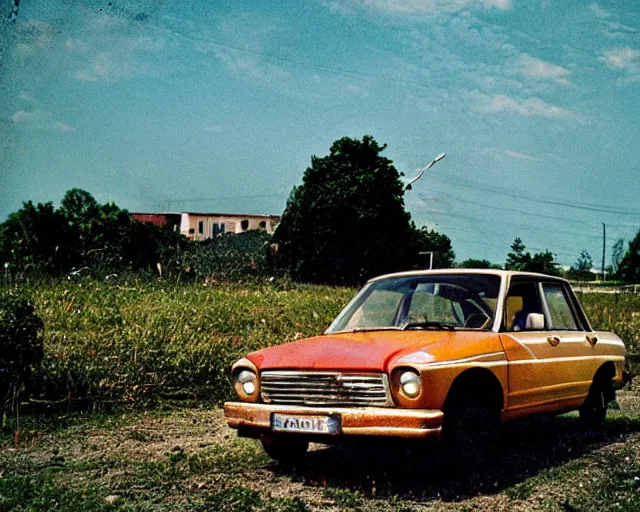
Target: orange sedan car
point(441, 353)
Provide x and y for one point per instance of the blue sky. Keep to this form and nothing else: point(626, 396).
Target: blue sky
point(218, 106)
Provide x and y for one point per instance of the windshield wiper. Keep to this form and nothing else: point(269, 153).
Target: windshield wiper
point(369, 329)
point(428, 325)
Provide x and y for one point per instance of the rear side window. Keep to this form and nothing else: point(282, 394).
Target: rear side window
point(562, 317)
point(522, 300)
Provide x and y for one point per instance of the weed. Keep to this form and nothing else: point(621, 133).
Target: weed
point(344, 498)
point(234, 499)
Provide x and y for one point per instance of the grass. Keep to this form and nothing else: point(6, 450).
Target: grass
point(139, 342)
point(121, 345)
point(142, 342)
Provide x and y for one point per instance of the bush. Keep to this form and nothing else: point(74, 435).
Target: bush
point(20, 347)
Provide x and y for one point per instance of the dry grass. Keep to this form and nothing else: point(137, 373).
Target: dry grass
point(188, 459)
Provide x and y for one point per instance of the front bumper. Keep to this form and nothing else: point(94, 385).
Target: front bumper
point(253, 420)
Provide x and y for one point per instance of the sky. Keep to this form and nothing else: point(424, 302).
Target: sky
point(218, 106)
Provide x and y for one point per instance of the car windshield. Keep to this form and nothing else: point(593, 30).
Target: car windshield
point(443, 302)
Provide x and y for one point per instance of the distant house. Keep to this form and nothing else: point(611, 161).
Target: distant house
point(201, 226)
point(169, 220)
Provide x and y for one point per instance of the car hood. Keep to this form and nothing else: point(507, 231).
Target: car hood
point(372, 350)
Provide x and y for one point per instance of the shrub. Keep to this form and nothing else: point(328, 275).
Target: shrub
point(20, 346)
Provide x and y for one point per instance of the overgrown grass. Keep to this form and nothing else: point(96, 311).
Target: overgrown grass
point(619, 313)
point(140, 341)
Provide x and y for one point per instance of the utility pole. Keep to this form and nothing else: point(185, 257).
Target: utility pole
point(604, 242)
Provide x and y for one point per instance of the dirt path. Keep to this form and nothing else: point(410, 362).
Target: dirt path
point(189, 459)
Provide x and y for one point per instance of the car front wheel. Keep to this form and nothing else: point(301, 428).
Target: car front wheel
point(471, 422)
point(284, 448)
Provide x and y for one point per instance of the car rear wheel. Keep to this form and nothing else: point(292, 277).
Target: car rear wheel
point(284, 448)
point(594, 410)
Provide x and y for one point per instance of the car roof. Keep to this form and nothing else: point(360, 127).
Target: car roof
point(461, 271)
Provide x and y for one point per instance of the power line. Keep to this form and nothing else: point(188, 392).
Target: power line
point(565, 204)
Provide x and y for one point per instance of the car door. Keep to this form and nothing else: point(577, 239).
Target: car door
point(568, 329)
point(545, 369)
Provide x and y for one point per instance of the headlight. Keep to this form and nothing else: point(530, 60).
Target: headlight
point(246, 385)
point(410, 384)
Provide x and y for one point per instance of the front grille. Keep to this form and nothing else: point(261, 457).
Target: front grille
point(325, 388)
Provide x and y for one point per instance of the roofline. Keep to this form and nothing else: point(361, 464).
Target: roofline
point(485, 271)
point(155, 213)
point(260, 215)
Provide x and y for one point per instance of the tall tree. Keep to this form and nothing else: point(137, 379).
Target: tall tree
point(517, 259)
point(542, 262)
point(347, 221)
point(438, 243)
point(31, 239)
point(629, 268)
point(584, 263)
point(617, 252)
point(475, 263)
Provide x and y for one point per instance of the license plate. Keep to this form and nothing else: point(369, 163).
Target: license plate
point(306, 424)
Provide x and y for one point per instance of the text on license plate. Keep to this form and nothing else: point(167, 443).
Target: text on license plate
point(302, 423)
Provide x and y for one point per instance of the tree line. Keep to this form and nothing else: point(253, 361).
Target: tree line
point(346, 222)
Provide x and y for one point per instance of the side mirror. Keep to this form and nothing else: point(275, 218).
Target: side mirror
point(535, 322)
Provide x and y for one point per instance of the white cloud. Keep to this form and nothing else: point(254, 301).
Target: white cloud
point(64, 127)
point(213, 128)
point(25, 96)
point(34, 35)
point(116, 64)
point(22, 116)
point(413, 7)
point(97, 58)
point(598, 11)
point(530, 107)
point(626, 60)
point(521, 156)
point(538, 69)
point(621, 58)
point(611, 29)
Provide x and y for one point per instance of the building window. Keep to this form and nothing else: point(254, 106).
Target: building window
point(192, 231)
point(244, 225)
point(200, 227)
point(263, 224)
point(218, 229)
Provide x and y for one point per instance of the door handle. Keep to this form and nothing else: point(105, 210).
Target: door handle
point(553, 340)
point(592, 340)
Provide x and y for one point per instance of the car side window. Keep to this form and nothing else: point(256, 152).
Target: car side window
point(522, 300)
point(562, 317)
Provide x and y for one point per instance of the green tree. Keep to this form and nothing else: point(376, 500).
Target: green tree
point(475, 263)
point(629, 268)
point(82, 233)
point(31, 239)
point(583, 263)
point(581, 269)
point(517, 259)
point(438, 243)
point(542, 262)
point(347, 221)
point(617, 252)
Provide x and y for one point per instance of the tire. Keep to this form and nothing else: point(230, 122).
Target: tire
point(471, 423)
point(286, 449)
point(594, 410)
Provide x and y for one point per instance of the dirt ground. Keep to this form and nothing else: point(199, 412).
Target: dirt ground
point(189, 459)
